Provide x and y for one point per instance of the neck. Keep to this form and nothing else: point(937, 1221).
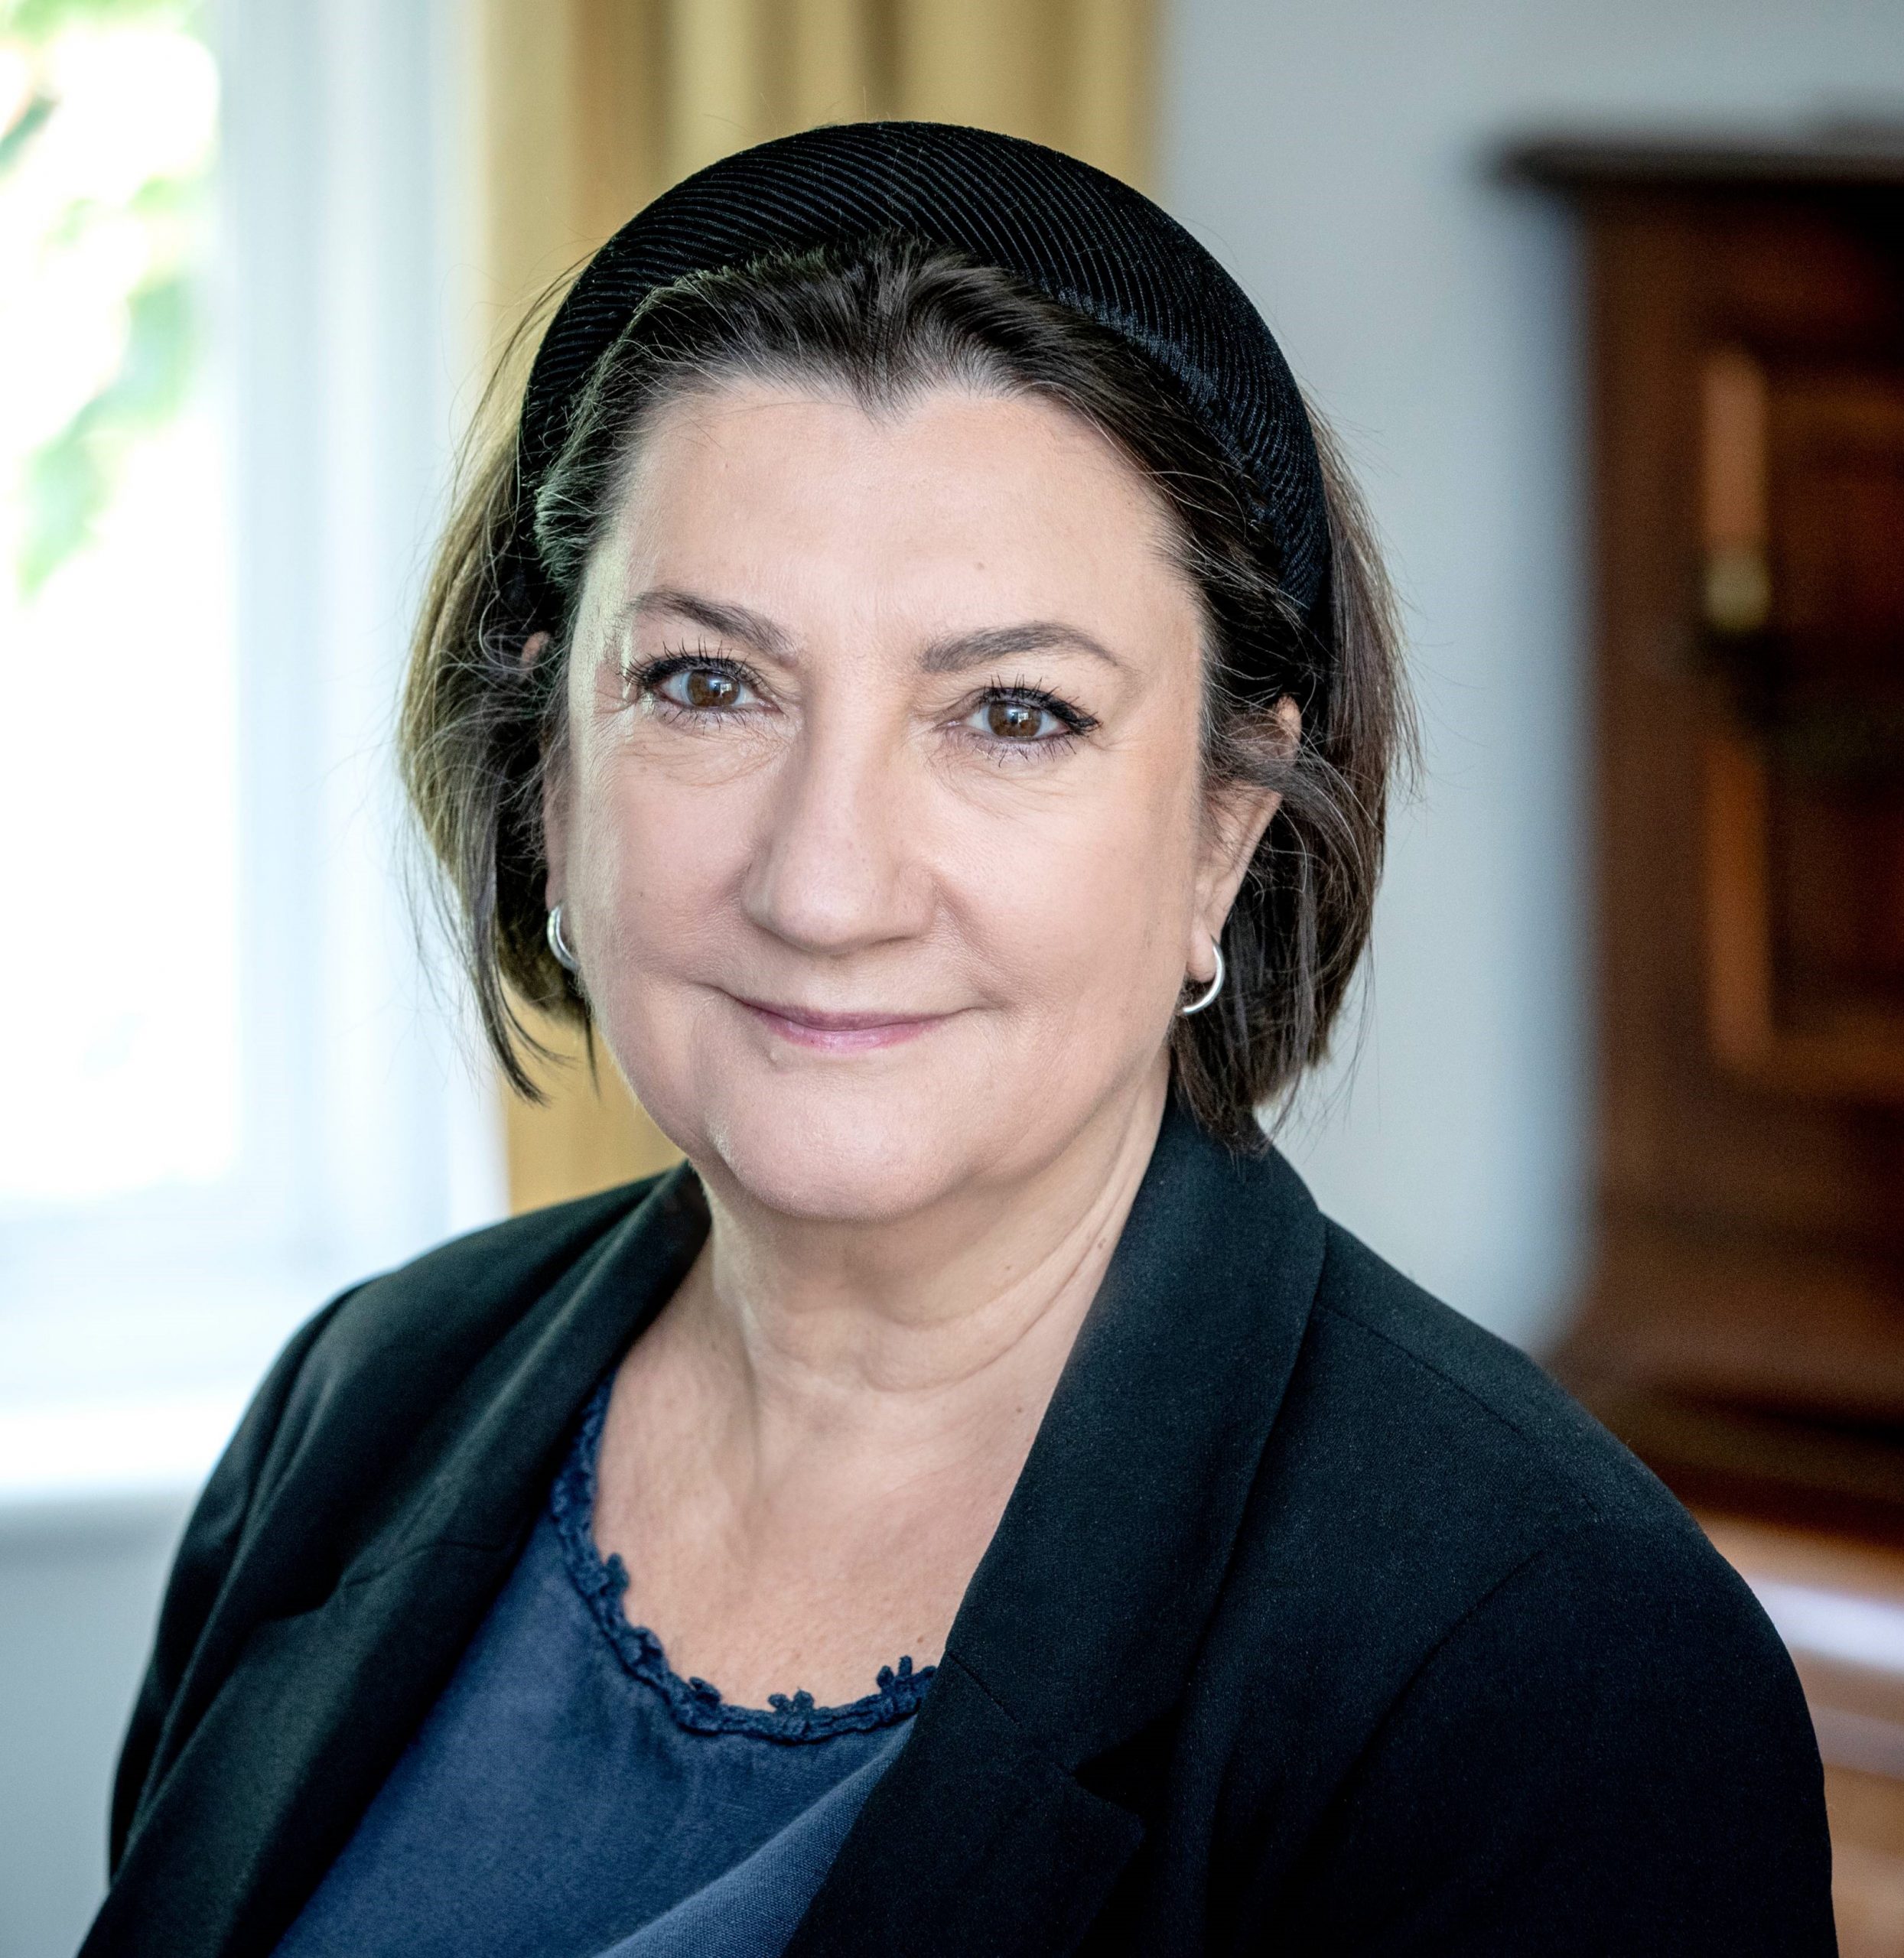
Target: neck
point(928, 1335)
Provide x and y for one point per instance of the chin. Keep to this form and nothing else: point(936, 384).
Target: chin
point(856, 1153)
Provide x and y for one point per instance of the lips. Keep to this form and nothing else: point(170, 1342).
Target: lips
point(838, 1033)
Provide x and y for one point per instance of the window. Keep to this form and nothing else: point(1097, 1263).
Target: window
point(234, 330)
point(114, 623)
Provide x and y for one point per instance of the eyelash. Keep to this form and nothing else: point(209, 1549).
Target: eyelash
point(647, 677)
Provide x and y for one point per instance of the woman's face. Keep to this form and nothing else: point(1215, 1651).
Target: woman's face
point(879, 835)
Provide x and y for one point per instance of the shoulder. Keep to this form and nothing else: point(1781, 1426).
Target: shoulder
point(1464, 1420)
point(350, 1392)
point(462, 1294)
point(1425, 1484)
point(1488, 1670)
point(360, 1381)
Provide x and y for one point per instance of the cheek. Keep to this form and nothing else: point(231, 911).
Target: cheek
point(1088, 901)
point(651, 864)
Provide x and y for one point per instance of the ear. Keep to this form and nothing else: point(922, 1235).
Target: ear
point(1237, 818)
point(554, 801)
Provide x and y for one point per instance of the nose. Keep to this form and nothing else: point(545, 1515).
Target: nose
point(838, 866)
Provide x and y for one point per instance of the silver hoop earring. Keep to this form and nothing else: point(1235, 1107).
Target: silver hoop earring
point(1210, 991)
point(558, 944)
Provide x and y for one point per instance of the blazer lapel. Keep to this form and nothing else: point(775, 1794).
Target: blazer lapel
point(1080, 1625)
point(311, 1715)
point(974, 1839)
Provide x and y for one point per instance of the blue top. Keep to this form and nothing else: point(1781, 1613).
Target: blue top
point(571, 1795)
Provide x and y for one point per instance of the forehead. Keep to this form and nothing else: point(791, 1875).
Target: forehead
point(955, 502)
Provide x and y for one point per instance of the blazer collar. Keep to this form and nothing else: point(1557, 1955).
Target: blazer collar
point(1080, 1625)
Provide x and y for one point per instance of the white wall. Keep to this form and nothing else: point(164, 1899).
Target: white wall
point(1334, 154)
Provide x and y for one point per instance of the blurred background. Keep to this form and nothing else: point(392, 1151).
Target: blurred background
point(1608, 304)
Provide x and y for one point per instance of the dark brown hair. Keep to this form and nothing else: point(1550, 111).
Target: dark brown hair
point(481, 727)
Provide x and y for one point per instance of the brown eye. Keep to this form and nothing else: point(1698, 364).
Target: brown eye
point(701, 689)
point(704, 687)
point(1016, 720)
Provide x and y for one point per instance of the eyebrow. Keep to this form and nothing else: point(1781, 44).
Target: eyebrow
point(729, 621)
point(955, 654)
point(980, 649)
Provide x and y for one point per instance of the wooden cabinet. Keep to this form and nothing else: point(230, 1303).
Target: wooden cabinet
point(1744, 1325)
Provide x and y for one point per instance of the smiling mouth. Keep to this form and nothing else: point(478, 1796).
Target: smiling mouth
point(838, 1032)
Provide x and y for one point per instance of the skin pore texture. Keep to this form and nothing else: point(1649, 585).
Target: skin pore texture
point(880, 837)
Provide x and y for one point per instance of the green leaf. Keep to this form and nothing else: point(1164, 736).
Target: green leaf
point(70, 479)
point(39, 20)
point(23, 127)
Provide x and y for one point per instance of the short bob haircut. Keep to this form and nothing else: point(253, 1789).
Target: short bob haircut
point(482, 727)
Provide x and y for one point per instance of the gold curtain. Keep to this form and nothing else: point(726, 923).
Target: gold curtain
point(592, 107)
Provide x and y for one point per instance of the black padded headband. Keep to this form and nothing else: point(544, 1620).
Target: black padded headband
point(1079, 237)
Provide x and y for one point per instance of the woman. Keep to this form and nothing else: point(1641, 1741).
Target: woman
point(915, 686)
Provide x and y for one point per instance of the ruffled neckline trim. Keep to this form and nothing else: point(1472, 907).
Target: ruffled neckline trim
point(695, 1703)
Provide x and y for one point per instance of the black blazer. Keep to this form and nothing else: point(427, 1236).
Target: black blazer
point(1319, 1621)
